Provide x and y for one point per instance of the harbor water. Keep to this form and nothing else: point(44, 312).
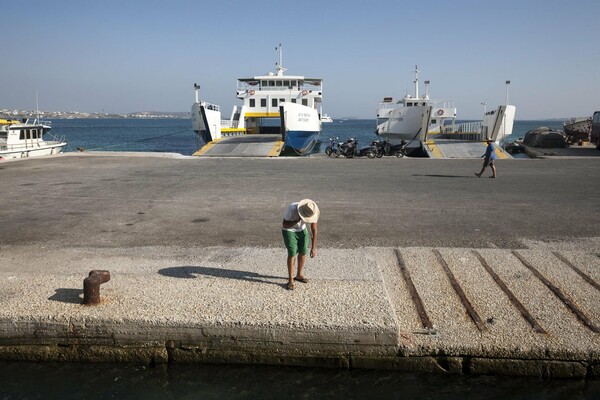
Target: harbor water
point(176, 135)
point(110, 381)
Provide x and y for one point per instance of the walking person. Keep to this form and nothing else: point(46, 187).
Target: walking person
point(490, 156)
point(296, 236)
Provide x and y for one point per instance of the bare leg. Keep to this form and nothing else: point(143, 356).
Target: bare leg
point(290, 264)
point(493, 171)
point(301, 259)
point(481, 172)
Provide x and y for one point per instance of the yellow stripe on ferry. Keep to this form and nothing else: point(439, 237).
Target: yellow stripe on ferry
point(261, 115)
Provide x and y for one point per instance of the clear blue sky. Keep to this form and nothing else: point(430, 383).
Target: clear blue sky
point(132, 55)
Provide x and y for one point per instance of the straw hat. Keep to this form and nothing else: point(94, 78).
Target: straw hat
point(308, 211)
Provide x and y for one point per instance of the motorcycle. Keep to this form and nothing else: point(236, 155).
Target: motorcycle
point(333, 148)
point(348, 148)
point(384, 148)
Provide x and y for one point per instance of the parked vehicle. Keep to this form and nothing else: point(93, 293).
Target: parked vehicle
point(595, 134)
point(382, 148)
point(348, 148)
point(333, 149)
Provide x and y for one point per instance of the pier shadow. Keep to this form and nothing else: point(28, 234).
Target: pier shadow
point(71, 296)
point(445, 176)
point(192, 272)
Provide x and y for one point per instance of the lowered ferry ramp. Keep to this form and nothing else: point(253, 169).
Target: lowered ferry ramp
point(452, 148)
point(262, 145)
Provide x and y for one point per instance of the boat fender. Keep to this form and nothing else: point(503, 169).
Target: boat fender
point(304, 92)
point(440, 112)
point(251, 92)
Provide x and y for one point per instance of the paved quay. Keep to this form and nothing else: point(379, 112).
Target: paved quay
point(420, 266)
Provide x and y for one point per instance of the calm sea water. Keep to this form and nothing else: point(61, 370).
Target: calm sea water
point(110, 381)
point(176, 135)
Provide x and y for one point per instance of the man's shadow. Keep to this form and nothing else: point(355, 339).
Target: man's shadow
point(192, 272)
point(445, 176)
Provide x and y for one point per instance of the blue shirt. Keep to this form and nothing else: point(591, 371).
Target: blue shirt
point(490, 154)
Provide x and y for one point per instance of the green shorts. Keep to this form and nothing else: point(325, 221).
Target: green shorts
point(295, 242)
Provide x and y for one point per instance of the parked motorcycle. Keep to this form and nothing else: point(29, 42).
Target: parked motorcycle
point(348, 148)
point(333, 149)
point(382, 147)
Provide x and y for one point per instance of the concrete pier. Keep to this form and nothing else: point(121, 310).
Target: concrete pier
point(420, 266)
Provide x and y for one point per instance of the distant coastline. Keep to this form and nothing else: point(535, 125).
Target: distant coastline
point(80, 115)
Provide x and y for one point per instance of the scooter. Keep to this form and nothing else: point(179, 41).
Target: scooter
point(333, 149)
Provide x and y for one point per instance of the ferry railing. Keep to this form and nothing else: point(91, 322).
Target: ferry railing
point(210, 106)
point(464, 131)
point(225, 123)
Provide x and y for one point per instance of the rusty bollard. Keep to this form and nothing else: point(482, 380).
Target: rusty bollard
point(91, 286)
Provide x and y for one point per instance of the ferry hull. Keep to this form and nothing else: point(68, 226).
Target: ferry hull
point(405, 124)
point(300, 128)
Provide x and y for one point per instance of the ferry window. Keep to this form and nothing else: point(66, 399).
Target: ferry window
point(294, 83)
point(271, 83)
point(252, 103)
point(286, 83)
point(273, 102)
point(278, 83)
point(281, 100)
point(293, 100)
point(434, 121)
point(409, 104)
point(21, 135)
point(305, 102)
point(263, 102)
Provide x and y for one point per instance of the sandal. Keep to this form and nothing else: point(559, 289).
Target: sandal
point(301, 279)
point(290, 286)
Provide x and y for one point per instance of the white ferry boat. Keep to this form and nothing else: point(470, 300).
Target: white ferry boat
point(274, 103)
point(24, 138)
point(404, 119)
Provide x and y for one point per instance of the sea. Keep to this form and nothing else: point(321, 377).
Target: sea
point(176, 135)
point(28, 380)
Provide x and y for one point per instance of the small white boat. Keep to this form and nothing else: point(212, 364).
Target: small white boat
point(326, 118)
point(272, 104)
point(24, 138)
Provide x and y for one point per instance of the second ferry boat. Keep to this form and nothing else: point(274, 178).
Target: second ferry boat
point(274, 103)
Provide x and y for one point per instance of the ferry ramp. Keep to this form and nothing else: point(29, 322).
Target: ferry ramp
point(452, 148)
point(263, 145)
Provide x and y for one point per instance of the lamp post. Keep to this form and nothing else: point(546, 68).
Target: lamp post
point(484, 104)
point(507, 85)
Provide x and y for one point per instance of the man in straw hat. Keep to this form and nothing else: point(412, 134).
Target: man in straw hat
point(490, 156)
point(296, 237)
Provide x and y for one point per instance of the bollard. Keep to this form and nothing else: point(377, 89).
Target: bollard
point(91, 286)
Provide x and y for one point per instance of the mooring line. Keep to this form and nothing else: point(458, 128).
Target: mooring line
point(518, 305)
point(413, 293)
point(570, 305)
point(455, 285)
point(585, 276)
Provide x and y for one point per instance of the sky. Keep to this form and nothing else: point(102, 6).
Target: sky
point(131, 55)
